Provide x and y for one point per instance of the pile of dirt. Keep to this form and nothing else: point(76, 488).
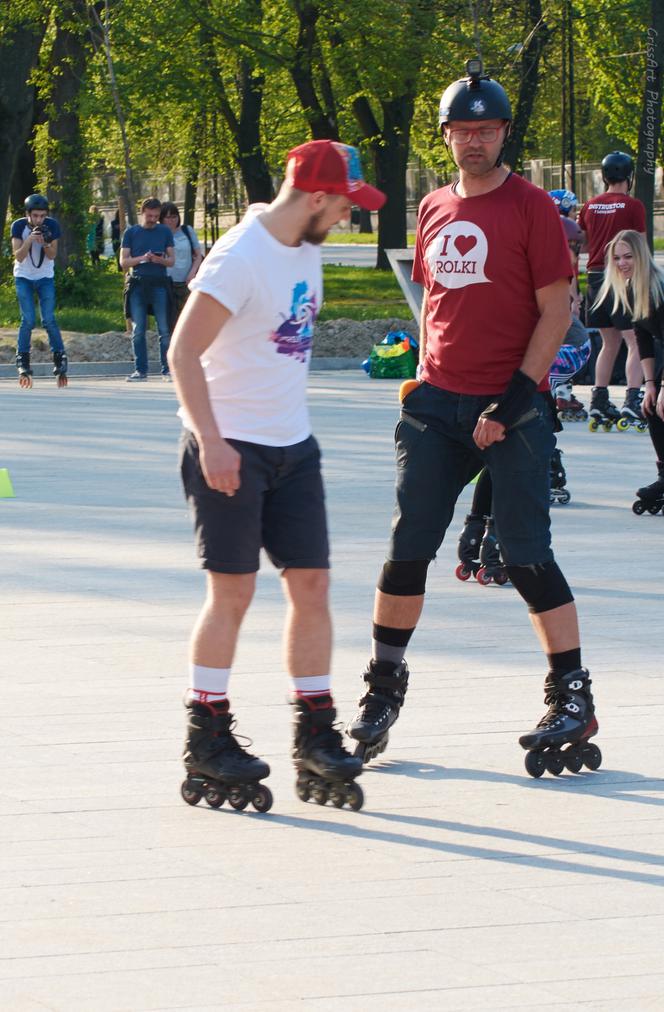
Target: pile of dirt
point(332, 339)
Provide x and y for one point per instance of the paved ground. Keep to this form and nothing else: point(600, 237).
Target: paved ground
point(463, 884)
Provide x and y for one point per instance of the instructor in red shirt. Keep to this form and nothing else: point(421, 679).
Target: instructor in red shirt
point(493, 260)
point(601, 219)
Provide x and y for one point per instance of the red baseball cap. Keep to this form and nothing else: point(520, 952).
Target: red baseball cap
point(333, 168)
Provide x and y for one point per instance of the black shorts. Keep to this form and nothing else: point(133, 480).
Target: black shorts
point(602, 316)
point(280, 506)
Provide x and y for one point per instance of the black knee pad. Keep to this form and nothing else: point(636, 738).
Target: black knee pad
point(542, 586)
point(404, 579)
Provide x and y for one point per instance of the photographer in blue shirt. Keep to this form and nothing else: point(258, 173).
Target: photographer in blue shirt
point(147, 250)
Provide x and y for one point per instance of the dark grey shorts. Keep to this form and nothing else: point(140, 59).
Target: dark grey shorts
point(280, 506)
point(436, 457)
point(602, 316)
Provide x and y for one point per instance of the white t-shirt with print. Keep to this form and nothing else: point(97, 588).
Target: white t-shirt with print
point(256, 368)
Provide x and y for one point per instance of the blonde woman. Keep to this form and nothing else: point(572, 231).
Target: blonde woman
point(636, 285)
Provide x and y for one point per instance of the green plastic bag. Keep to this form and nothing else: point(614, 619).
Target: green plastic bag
point(392, 361)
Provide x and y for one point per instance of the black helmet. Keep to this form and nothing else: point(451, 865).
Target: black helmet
point(36, 202)
point(617, 167)
point(474, 97)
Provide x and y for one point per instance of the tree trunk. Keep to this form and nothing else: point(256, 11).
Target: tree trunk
point(322, 119)
point(255, 172)
point(19, 51)
point(68, 184)
point(391, 162)
point(651, 115)
point(538, 36)
point(193, 169)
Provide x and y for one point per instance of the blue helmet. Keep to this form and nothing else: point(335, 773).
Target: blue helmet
point(564, 200)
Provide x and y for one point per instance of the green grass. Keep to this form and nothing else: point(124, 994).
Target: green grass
point(359, 238)
point(95, 308)
point(356, 293)
point(362, 293)
point(658, 243)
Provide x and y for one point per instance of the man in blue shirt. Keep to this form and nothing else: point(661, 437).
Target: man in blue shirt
point(147, 249)
point(34, 245)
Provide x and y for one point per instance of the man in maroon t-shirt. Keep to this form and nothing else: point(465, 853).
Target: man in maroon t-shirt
point(495, 267)
point(601, 219)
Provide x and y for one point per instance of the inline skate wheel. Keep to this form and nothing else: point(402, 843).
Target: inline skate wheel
point(501, 578)
point(483, 577)
point(237, 799)
point(639, 507)
point(607, 426)
point(642, 427)
point(654, 509)
point(593, 425)
point(355, 796)
point(622, 425)
point(367, 752)
point(190, 794)
point(320, 794)
point(215, 797)
point(565, 497)
point(573, 759)
point(462, 573)
point(592, 757)
point(262, 798)
point(534, 763)
point(338, 797)
point(554, 762)
point(302, 787)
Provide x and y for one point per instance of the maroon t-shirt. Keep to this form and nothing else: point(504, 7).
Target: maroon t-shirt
point(481, 260)
point(603, 217)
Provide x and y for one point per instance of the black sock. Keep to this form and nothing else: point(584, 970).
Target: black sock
point(564, 662)
point(389, 645)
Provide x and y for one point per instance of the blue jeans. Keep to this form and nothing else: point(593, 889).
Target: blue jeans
point(45, 290)
point(436, 457)
point(141, 295)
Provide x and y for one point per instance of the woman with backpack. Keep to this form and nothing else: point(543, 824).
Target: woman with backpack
point(188, 257)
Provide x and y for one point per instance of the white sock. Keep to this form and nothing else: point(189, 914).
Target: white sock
point(208, 685)
point(313, 685)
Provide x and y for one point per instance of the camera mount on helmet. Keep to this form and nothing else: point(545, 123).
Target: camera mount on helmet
point(618, 167)
point(475, 97)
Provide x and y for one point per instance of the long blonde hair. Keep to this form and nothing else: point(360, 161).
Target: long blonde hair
point(644, 292)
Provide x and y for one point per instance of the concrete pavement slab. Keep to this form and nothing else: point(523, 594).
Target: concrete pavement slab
point(462, 884)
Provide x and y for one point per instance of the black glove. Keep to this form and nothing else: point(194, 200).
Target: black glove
point(514, 403)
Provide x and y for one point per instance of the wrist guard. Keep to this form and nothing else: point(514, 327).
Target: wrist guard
point(514, 403)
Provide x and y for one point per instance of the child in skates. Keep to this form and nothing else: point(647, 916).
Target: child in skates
point(634, 283)
point(251, 472)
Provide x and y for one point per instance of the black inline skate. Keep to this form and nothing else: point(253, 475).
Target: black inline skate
point(631, 414)
point(468, 549)
point(218, 768)
point(603, 412)
point(558, 479)
point(570, 720)
point(651, 497)
point(491, 568)
point(568, 407)
point(24, 370)
point(325, 770)
point(379, 708)
point(60, 368)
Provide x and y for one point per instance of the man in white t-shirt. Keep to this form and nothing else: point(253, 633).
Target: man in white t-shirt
point(35, 245)
point(251, 472)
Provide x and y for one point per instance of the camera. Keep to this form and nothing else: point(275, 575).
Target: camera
point(45, 232)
